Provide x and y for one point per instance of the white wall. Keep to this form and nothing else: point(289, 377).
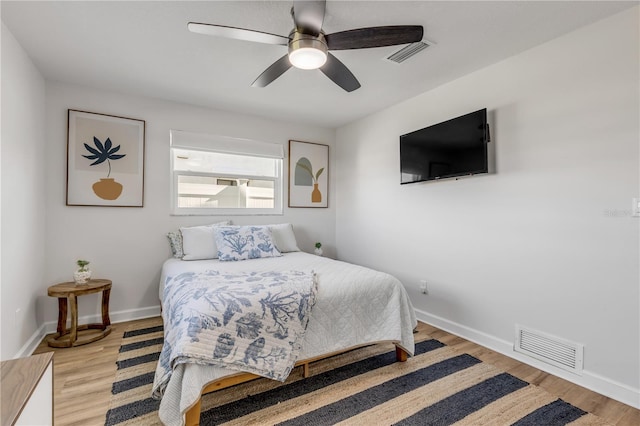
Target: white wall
point(23, 165)
point(128, 245)
point(548, 242)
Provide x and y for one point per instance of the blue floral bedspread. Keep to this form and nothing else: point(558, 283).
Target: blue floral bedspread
point(247, 321)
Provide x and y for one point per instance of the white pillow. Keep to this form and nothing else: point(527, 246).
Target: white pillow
point(244, 242)
point(198, 242)
point(283, 237)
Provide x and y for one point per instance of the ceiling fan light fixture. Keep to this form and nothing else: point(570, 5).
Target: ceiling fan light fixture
point(307, 52)
point(307, 58)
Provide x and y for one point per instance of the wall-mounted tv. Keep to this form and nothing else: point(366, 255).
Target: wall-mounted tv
point(453, 148)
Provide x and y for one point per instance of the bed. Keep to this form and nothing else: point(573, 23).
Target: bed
point(353, 306)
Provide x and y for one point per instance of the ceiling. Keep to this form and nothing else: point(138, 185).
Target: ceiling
point(145, 48)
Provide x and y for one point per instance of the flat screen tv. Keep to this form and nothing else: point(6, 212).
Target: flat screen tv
point(453, 148)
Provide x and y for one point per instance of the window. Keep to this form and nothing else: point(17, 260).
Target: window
point(214, 175)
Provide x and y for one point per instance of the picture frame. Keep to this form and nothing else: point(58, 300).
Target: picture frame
point(105, 160)
point(308, 174)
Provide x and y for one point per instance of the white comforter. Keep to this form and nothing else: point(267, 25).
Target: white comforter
point(355, 306)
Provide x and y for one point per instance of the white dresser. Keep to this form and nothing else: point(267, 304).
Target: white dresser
point(27, 391)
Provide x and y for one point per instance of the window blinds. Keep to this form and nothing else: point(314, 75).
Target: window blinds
point(205, 142)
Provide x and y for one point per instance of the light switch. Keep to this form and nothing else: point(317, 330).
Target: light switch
point(635, 208)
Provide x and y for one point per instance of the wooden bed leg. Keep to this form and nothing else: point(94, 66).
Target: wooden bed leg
point(401, 355)
point(192, 416)
point(305, 370)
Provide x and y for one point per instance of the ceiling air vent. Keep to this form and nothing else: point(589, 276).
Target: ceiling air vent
point(550, 349)
point(408, 51)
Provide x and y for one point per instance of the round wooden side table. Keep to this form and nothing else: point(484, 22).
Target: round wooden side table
point(70, 291)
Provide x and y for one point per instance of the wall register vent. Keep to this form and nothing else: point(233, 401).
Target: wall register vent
point(408, 51)
point(550, 349)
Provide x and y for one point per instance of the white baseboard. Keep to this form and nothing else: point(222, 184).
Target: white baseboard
point(602, 385)
point(115, 317)
point(33, 342)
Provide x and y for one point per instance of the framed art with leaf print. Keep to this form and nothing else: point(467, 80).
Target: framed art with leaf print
point(308, 174)
point(105, 160)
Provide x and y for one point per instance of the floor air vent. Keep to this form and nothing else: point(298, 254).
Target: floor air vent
point(408, 51)
point(550, 349)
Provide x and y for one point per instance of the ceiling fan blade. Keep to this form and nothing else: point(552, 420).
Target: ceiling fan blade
point(363, 38)
point(274, 71)
point(308, 15)
point(237, 33)
point(339, 74)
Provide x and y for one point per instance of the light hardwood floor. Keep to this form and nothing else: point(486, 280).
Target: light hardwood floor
point(83, 377)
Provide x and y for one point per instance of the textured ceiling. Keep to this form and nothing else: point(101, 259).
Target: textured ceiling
point(144, 48)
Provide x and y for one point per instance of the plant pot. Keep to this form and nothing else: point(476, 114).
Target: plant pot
point(107, 189)
point(82, 277)
point(318, 251)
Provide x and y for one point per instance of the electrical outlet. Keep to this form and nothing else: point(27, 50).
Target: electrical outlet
point(635, 207)
point(423, 286)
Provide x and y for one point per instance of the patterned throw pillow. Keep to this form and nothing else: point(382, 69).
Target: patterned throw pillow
point(175, 241)
point(244, 242)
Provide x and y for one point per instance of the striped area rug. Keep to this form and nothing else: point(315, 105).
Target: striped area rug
point(438, 386)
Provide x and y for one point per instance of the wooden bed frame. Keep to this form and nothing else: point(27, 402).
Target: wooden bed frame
point(192, 415)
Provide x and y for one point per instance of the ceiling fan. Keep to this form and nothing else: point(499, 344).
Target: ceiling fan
point(309, 46)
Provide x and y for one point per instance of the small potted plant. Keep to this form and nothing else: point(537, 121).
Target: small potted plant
point(83, 274)
point(318, 249)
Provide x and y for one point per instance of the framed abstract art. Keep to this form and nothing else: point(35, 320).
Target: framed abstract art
point(308, 174)
point(105, 160)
